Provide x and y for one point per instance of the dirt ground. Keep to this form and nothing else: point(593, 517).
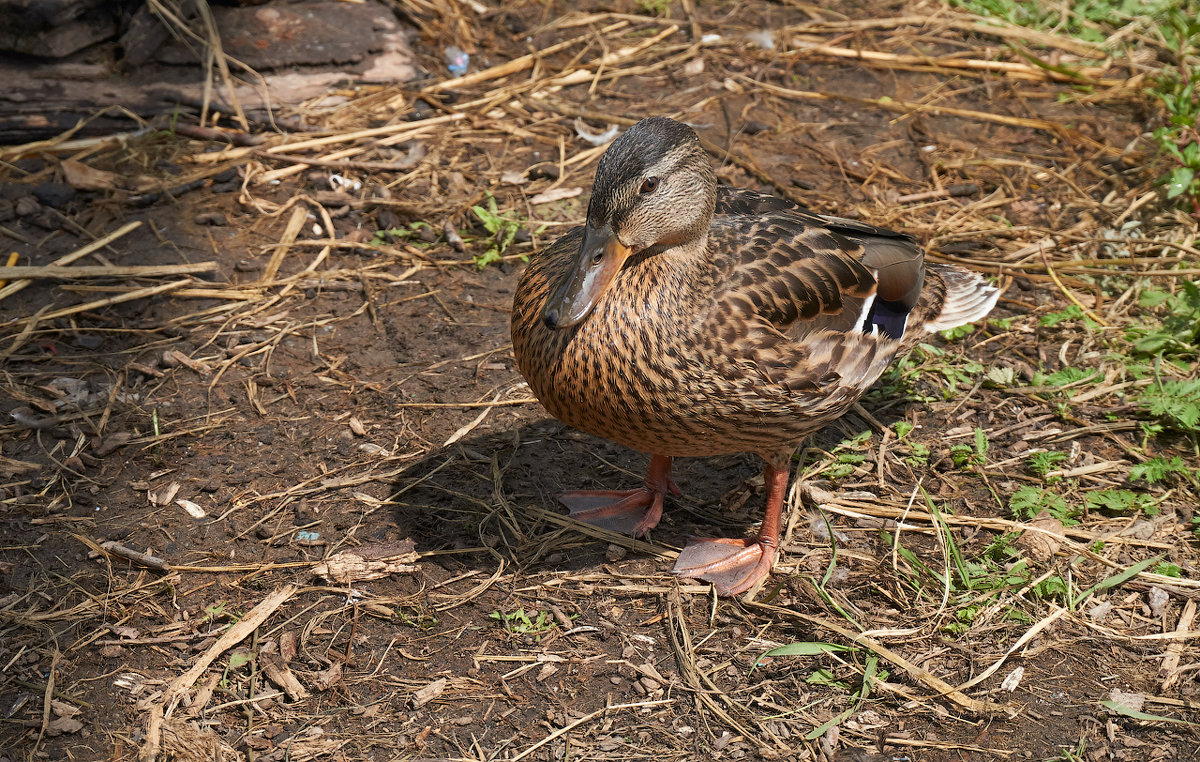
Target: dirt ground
point(325, 389)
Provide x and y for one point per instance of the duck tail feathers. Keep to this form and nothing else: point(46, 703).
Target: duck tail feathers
point(968, 298)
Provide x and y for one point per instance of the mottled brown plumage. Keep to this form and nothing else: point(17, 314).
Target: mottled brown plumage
point(685, 319)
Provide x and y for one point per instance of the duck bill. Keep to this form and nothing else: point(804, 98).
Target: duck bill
point(599, 260)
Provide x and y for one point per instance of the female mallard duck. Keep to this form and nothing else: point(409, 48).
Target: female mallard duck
point(689, 319)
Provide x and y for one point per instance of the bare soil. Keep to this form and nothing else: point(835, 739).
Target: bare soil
point(366, 395)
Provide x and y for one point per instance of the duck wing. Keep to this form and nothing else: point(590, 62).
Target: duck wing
point(803, 272)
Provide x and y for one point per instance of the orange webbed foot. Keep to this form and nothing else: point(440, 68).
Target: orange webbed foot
point(634, 511)
point(732, 566)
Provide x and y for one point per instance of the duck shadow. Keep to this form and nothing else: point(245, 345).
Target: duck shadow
point(492, 498)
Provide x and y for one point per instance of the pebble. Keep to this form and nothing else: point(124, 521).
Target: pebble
point(615, 553)
point(27, 206)
point(211, 218)
point(57, 195)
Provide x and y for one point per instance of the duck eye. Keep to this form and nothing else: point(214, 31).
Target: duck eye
point(649, 184)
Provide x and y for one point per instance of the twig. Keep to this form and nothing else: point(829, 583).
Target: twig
point(58, 272)
point(517, 64)
point(1067, 292)
point(907, 108)
point(96, 245)
point(145, 559)
point(140, 293)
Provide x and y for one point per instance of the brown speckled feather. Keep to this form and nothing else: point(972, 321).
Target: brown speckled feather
point(749, 344)
point(685, 319)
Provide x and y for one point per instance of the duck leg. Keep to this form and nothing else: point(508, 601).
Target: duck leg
point(634, 511)
point(733, 566)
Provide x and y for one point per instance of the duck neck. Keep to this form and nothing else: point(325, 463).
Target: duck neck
point(687, 251)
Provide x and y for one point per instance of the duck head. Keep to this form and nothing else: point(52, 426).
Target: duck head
point(655, 190)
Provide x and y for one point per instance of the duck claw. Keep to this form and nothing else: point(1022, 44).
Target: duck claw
point(732, 566)
point(634, 511)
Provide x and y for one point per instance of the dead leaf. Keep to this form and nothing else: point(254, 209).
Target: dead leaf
point(1043, 537)
point(163, 495)
point(287, 645)
point(63, 709)
point(556, 194)
point(63, 726)
point(82, 177)
point(327, 678)
point(424, 695)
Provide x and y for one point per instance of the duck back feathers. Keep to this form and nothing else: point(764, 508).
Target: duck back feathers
point(769, 329)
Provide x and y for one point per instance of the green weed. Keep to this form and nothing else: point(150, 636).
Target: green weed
point(1027, 502)
point(950, 334)
point(502, 226)
point(1176, 88)
point(1176, 402)
point(1041, 463)
point(1089, 20)
point(410, 231)
point(1119, 501)
point(848, 456)
point(520, 623)
point(1073, 312)
point(972, 454)
point(1168, 569)
point(1159, 468)
point(654, 7)
point(1177, 332)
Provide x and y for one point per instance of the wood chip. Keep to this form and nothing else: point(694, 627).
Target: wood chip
point(424, 695)
point(368, 562)
point(279, 673)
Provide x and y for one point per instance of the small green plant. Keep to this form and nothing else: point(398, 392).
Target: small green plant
point(1053, 587)
point(848, 455)
point(1073, 312)
point(1175, 402)
point(654, 7)
point(1000, 378)
point(217, 611)
point(919, 456)
point(1158, 469)
point(410, 231)
point(502, 226)
point(1041, 463)
point(1119, 501)
point(950, 334)
point(520, 623)
point(1028, 502)
point(971, 455)
point(1178, 332)
point(1067, 377)
point(1176, 88)
point(415, 617)
point(1168, 569)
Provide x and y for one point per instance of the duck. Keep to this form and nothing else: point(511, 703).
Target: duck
point(689, 319)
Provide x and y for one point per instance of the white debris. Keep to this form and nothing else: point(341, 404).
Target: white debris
point(596, 139)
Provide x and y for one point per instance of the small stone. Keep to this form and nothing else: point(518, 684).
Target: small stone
point(215, 219)
point(27, 206)
point(57, 195)
point(615, 553)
